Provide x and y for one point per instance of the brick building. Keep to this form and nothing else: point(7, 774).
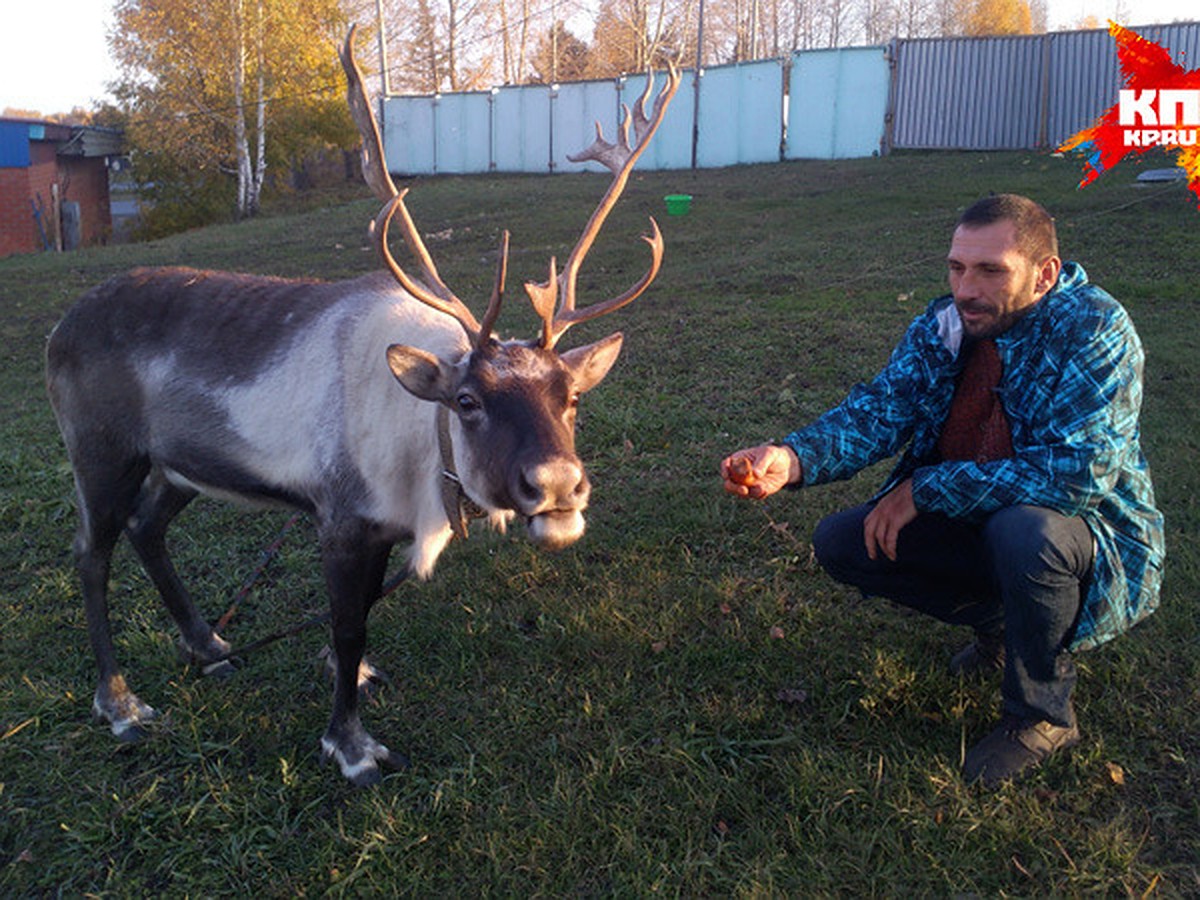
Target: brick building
point(54, 185)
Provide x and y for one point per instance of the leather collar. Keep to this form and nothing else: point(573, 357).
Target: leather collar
point(458, 506)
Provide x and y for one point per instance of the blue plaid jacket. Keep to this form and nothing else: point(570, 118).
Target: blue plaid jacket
point(1072, 390)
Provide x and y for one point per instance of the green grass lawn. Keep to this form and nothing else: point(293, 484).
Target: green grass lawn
point(679, 704)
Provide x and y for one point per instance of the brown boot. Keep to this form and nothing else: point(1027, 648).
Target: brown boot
point(1014, 747)
point(983, 655)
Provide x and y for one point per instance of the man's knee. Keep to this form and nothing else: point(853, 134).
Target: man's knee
point(838, 543)
point(1032, 540)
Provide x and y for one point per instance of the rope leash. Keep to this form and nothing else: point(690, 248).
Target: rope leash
point(265, 558)
point(459, 509)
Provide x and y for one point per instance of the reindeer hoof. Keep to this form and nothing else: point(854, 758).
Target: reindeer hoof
point(129, 732)
point(212, 660)
point(359, 758)
point(126, 716)
point(366, 777)
point(222, 668)
point(396, 760)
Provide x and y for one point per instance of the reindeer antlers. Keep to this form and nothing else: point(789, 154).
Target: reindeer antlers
point(618, 158)
point(433, 292)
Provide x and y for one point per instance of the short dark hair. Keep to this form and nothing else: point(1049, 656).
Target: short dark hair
point(1036, 236)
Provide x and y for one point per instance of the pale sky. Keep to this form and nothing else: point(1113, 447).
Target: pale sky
point(54, 53)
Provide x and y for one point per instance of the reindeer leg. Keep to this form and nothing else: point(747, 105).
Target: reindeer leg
point(107, 493)
point(158, 504)
point(354, 560)
point(370, 677)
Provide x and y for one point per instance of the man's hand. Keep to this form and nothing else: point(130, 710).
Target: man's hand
point(760, 471)
point(881, 527)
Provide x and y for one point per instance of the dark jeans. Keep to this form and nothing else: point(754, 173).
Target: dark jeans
point(1024, 570)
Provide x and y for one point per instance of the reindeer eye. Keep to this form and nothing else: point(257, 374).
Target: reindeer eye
point(467, 403)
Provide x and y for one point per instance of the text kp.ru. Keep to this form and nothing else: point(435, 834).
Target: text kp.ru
point(1168, 118)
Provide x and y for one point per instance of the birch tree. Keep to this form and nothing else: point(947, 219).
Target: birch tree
point(207, 86)
point(516, 19)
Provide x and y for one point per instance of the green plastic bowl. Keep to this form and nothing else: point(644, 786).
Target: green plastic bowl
point(678, 204)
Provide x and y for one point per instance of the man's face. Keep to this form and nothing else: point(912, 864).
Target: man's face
point(993, 282)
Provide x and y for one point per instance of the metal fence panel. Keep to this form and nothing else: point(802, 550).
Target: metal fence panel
point(994, 93)
point(521, 138)
point(1085, 76)
point(1083, 82)
point(1183, 39)
point(741, 114)
point(576, 109)
point(837, 103)
point(1013, 92)
point(968, 93)
point(408, 135)
point(462, 133)
point(672, 145)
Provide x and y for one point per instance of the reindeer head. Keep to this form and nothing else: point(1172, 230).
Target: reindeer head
point(514, 401)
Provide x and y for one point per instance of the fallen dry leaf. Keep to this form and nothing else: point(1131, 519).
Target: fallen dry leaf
point(1115, 773)
point(791, 696)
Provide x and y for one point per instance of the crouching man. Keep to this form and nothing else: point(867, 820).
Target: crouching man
point(1022, 506)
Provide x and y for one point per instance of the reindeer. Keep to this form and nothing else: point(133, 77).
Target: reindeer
point(168, 383)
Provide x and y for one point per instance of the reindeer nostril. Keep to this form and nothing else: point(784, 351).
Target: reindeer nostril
point(528, 490)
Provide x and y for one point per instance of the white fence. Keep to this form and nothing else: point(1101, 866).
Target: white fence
point(948, 93)
point(840, 97)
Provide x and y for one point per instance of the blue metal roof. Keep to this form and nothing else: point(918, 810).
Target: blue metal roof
point(14, 145)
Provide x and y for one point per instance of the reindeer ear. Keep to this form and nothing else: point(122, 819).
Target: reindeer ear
point(422, 374)
point(589, 365)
